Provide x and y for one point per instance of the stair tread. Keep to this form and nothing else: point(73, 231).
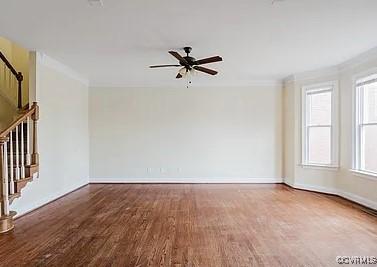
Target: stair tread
point(32, 165)
point(25, 179)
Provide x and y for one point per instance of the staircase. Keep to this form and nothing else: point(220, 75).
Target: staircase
point(19, 159)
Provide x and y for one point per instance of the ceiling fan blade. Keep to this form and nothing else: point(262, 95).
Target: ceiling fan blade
point(179, 57)
point(179, 76)
point(205, 70)
point(208, 60)
point(163, 66)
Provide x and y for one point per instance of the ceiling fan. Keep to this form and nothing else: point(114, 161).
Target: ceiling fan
point(189, 63)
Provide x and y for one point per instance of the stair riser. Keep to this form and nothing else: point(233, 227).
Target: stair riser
point(31, 170)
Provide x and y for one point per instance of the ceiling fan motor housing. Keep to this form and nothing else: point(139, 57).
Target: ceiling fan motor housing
point(190, 61)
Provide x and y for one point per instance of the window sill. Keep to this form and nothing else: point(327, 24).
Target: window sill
point(364, 174)
point(320, 167)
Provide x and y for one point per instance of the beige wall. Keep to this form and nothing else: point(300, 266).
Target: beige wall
point(347, 181)
point(63, 137)
point(340, 181)
point(180, 135)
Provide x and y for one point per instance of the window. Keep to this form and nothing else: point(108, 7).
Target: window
point(365, 158)
point(319, 131)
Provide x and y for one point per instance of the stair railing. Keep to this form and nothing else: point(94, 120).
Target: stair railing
point(8, 78)
point(17, 157)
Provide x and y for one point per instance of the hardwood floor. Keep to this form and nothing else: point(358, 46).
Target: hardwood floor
point(190, 225)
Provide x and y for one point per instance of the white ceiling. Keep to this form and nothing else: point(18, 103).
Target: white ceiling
point(114, 44)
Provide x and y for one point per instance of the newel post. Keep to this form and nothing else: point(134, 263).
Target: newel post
point(35, 118)
point(6, 216)
point(4, 177)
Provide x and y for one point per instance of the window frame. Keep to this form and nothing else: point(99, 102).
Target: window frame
point(306, 90)
point(358, 123)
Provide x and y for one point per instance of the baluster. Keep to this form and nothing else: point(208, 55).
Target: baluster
point(12, 84)
point(3, 77)
point(22, 151)
point(17, 169)
point(28, 159)
point(35, 118)
point(4, 174)
point(11, 168)
point(9, 85)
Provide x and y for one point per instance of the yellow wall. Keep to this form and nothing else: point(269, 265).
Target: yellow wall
point(19, 58)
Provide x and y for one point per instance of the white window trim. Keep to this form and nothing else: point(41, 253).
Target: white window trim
point(367, 175)
point(320, 167)
point(334, 87)
point(356, 152)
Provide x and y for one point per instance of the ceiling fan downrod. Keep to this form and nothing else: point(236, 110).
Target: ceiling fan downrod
point(187, 50)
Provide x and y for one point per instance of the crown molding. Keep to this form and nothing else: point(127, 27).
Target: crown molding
point(358, 60)
point(312, 75)
point(48, 61)
point(272, 83)
point(333, 70)
point(289, 79)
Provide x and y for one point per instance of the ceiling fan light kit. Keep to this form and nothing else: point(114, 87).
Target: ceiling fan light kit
point(189, 64)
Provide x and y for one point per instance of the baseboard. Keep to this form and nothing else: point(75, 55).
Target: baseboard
point(47, 200)
point(358, 199)
point(314, 188)
point(172, 180)
point(352, 197)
